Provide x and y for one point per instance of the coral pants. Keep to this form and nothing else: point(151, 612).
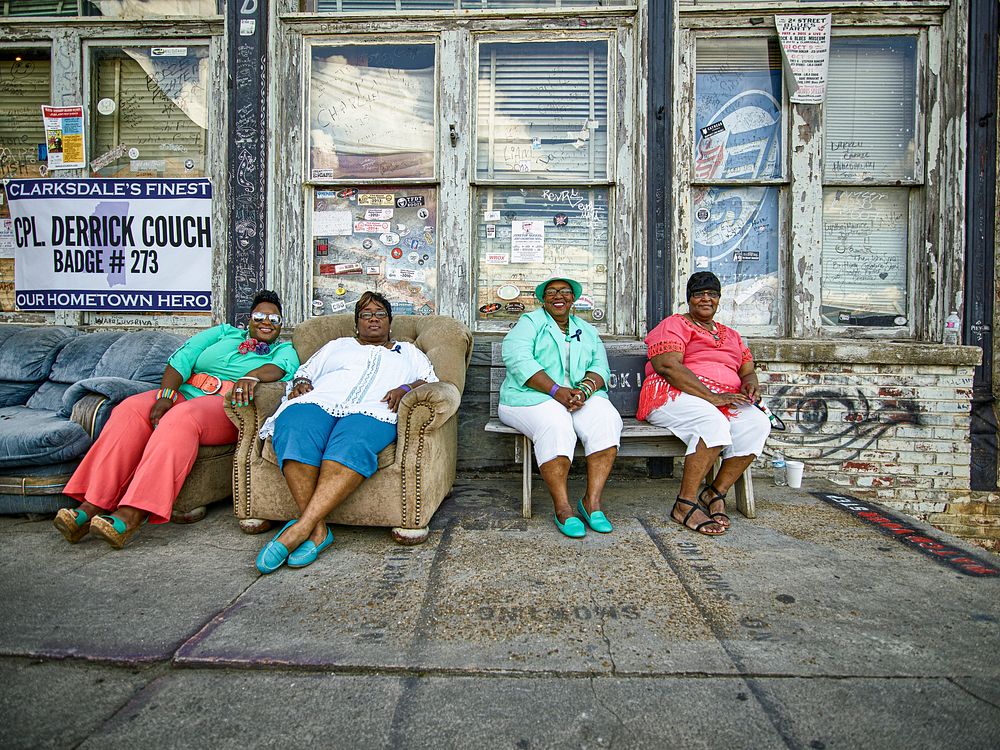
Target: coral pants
point(132, 464)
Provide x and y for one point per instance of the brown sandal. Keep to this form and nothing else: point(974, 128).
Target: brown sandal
point(74, 525)
point(720, 518)
point(700, 526)
point(113, 530)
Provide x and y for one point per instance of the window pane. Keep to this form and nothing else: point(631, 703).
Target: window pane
point(864, 256)
point(871, 109)
point(334, 6)
point(139, 8)
point(149, 111)
point(736, 236)
point(371, 112)
point(738, 110)
point(40, 8)
point(542, 111)
point(382, 239)
point(109, 8)
point(24, 88)
point(526, 236)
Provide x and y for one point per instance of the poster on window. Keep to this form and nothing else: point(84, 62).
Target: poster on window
point(371, 111)
point(735, 231)
point(382, 239)
point(64, 137)
point(112, 244)
point(805, 53)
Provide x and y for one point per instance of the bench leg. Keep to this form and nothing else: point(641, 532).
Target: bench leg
point(744, 495)
point(525, 476)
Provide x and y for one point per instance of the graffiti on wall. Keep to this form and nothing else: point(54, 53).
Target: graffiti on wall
point(841, 422)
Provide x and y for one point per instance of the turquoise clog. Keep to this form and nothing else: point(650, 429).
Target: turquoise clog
point(596, 520)
point(274, 554)
point(307, 552)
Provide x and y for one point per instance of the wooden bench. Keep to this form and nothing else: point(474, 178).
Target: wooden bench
point(639, 439)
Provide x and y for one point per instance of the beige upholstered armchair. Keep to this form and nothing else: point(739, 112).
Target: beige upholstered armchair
point(414, 473)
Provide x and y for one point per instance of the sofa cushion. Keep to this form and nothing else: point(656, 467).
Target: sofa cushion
point(140, 355)
point(38, 436)
point(26, 357)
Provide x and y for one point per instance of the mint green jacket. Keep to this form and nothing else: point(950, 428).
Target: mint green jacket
point(533, 345)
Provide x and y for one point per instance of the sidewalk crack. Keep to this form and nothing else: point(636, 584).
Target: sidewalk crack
point(978, 697)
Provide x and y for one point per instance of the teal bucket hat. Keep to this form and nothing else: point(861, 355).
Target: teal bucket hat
point(577, 287)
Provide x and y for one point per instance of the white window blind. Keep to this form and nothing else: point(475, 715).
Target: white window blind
point(157, 105)
point(865, 256)
point(870, 113)
point(24, 88)
point(542, 111)
point(39, 8)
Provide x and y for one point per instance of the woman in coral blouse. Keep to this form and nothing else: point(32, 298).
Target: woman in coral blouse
point(701, 385)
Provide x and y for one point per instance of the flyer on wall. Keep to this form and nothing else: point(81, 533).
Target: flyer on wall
point(64, 137)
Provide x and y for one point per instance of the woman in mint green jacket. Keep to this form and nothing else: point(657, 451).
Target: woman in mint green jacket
point(555, 392)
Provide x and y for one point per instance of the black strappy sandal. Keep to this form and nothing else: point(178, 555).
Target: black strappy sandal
point(700, 526)
point(716, 497)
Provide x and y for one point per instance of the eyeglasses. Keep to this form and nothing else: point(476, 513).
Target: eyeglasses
point(564, 292)
point(259, 317)
point(705, 293)
point(368, 315)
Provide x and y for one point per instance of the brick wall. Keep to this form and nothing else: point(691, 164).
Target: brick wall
point(888, 421)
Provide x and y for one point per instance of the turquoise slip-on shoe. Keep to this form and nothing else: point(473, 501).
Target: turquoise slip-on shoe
point(307, 552)
point(274, 554)
point(596, 520)
point(573, 528)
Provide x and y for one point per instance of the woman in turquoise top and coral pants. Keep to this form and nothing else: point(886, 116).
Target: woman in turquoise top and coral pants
point(138, 465)
point(556, 391)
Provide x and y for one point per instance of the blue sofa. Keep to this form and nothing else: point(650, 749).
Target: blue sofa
point(57, 388)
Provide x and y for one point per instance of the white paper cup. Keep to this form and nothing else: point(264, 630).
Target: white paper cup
point(793, 470)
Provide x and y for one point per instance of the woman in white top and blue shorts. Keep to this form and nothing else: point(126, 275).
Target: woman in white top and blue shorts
point(340, 412)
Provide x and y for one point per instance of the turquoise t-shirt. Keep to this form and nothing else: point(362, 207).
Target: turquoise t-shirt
point(215, 351)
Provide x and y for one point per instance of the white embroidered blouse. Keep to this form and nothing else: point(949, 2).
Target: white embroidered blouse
point(352, 378)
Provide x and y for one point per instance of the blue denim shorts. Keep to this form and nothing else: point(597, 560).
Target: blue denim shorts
point(309, 435)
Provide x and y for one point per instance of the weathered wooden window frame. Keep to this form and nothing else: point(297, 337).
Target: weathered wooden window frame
point(66, 42)
point(608, 183)
point(930, 245)
point(292, 32)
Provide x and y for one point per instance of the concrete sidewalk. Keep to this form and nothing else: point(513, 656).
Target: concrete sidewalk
point(806, 627)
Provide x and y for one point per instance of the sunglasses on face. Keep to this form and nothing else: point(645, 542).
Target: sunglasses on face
point(368, 315)
point(558, 292)
point(273, 318)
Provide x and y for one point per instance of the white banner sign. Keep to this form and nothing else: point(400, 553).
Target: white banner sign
point(805, 51)
point(112, 244)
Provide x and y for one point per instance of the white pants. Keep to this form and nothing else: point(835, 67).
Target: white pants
point(554, 430)
point(691, 419)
